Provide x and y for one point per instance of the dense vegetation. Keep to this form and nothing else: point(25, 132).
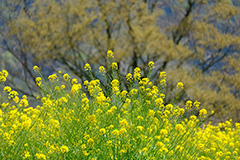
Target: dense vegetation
point(195, 41)
point(80, 122)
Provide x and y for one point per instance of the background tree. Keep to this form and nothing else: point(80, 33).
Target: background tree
point(194, 41)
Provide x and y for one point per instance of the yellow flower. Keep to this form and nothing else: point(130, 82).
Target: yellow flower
point(196, 104)
point(102, 69)
point(137, 73)
point(203, 112)
point(162, 75)
point(144, 81)
point(110, 54)
point(151, 113)
point(52, 77)
point(188, 104)
point(23, 102)
point(90, 142)
point(159, 145)
point(139, 118)
point(87, 67)
point(123, 131)
point(140, 128)
point(144, 150)
point(114, 66)
point(7, 89)
point(26, 154)
point(75, 88)
point(151, 65)
point(164, 131)
point(179, 127)
point(35, 68)
point(38, 81)
point(129, 77)
point(66, 77)
point(64, 149)
point(123, 122)
point(124, 93)
point(24, 97)
point(102, 130)
point(115, 132)
point(163, 82)
point(40, 156)
point(133, 92)
point(85, 153)
point(159, 102)
point(180, 85)
point(74, 81)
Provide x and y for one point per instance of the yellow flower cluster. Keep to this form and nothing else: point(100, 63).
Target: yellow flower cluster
point(72, 124)
point(137, 73)
point(87, 67)
point(3, 75)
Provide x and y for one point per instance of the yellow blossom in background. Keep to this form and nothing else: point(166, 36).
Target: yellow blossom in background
point(64, 149)
point(188, 104)
point(102, 69)
point(114, 66)
point(52, 77)
point(124, 93)
point(140, 128)
point(203, 112)
point(179, 85)
point(3, 76)
point(151, 113)
point(24, 97)
point(74, 81)
point(179, 127)
point(102, 130)
point(137, 73)
point(40, 156)
point(26, 155)
point(129, 77)
point(7, 89)
point(66, 77)
point(75, 88)
point(90, 142)
point(87, 67)
point(115, 132)
point(163, 131)
point(151, 65)
point(163, 82)
point(110, 54)
point(196, 104)
point(144, 150)
point(23, 102)
point(162, 75)
point(35, 68)
point(122, 131)
point(159, 145)
point(38, 81)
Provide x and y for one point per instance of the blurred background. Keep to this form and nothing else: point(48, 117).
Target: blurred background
point(196, 42)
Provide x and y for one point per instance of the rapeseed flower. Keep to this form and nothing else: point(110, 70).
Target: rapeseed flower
point(151, 65)
point(110, 54)
point(64, 149)
point(87, 67)
point(179, 85)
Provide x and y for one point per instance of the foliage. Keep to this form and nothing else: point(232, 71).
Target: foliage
point(194, 41)
point(125, 125)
